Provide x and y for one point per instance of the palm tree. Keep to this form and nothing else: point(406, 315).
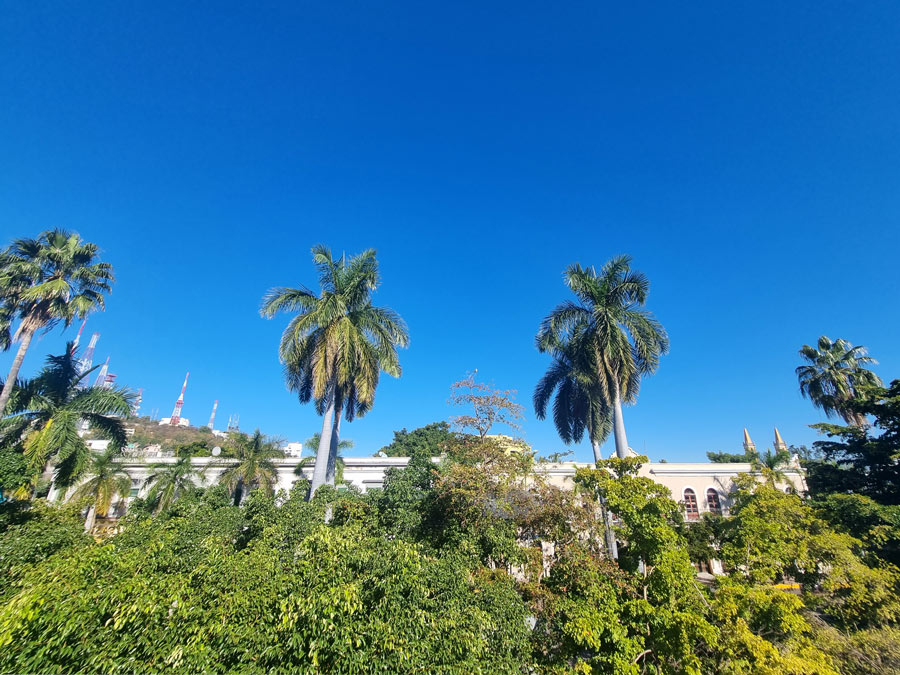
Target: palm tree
point(54, 278)
point(770, 465)
point(608, 331)
point(46, 413)
point(833, 377)
point(337, 345)
point(252, 467)
point(335, 469)
point(579, 405)
point(106, 479)
point(168, 482)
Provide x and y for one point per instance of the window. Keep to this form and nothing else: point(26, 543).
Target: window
point(690, 504)
point(713, 502)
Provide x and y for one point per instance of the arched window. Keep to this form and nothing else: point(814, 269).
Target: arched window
point(691, 511)
point(713, 502)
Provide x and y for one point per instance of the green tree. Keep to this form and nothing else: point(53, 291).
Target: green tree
point(861, 460)
point(47, 412)
point(730, 457)
point(613, 336)
point(54, 278)
point(834, 375)
point(488, 406)
point(105, 480)
point(252, 467)
point(773, 537)
point(337, 345)
point(433, 438)
point(770, 465)
point(580, 404)
point(169, 482)
point(311, 445)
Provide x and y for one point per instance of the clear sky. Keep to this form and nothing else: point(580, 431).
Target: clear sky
point(747, 155)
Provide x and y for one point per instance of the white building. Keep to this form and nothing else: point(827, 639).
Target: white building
point(182, 421)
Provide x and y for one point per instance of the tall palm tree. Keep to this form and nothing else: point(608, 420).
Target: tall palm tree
point(834, 375)
point(46, 413)
point(337, 345)
point(54, 278)
point(252, 467)
point(168, 482)
point(610, 330)
point(105, 479)
point(579, 404)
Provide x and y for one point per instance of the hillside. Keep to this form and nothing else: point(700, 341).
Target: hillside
point(149, 432)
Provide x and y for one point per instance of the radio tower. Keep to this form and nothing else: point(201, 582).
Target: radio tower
point(101, 378)
point(87, 360)
point(78, 337)
point(176, 414)
point(137, 402)
point(212, 418)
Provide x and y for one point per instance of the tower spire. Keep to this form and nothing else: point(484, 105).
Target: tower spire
point(176, 413)
point(749, 446)
point(779, 442)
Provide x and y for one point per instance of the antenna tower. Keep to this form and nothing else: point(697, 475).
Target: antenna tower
point(233, 422)
point(212, 418)
point(137, 402)
point(87, 360)
point(101, 378)
point(176, 413)
point(78, 337)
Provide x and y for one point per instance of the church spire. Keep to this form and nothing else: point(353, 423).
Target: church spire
point(749, 446)
point(779, 442)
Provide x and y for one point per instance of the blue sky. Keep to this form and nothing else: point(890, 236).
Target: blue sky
point(745, 154)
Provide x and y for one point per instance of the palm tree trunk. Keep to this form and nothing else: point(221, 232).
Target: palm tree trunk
point(27, 334)
point(619, 424)
point(333, 447)
point(320, 470)
point(612, 547)
point(90, 520)
point(595, 445)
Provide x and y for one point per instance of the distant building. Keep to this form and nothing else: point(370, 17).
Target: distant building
point(182, 421)
point(294, 449)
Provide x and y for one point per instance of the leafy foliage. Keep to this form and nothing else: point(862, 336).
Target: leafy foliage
point(602, 345)
point(44, 281)
point(473, 563)
point(488, 406)
point(44, 416)
point(252, 467)
point(862, 460)
point(338, 344)
point(432, 438)
point(834, 376)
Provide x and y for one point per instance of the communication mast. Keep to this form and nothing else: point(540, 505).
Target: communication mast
point(78, 337)
point(212, 418)
point(137, 402)
point(176, 413)
point(84, 364)
point(233, 422)
point(101, 378)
